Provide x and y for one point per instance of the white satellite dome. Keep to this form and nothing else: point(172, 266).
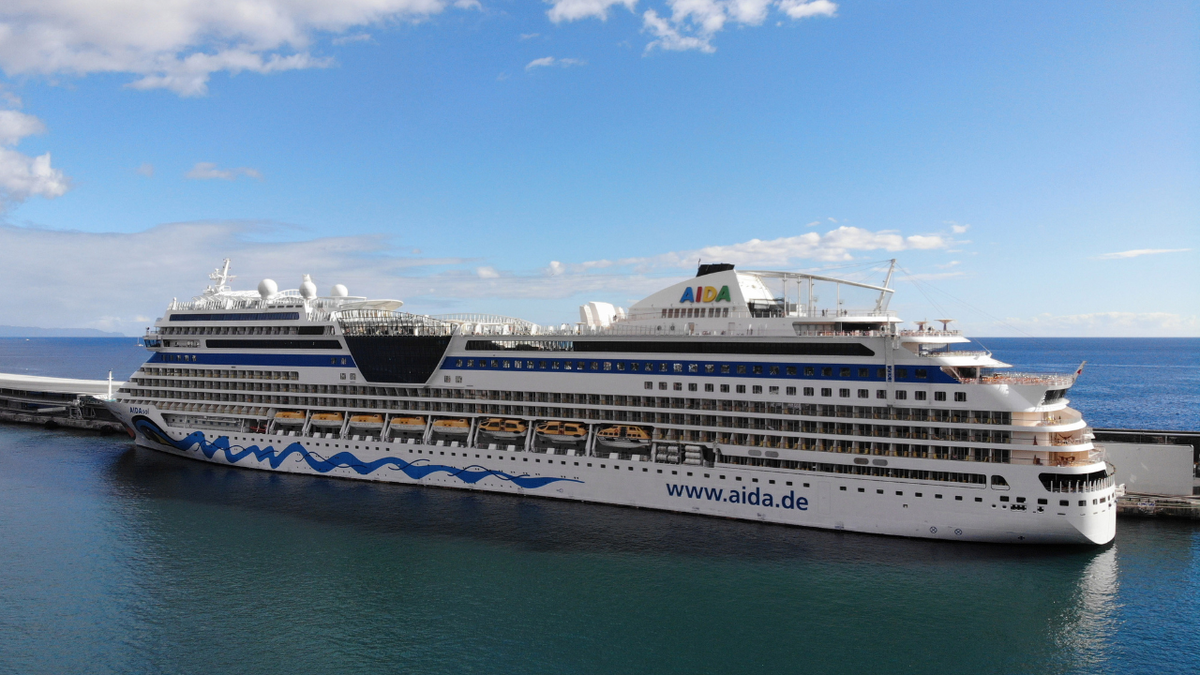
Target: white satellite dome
point(307, 288)
point(267, 288)
point(339, 291)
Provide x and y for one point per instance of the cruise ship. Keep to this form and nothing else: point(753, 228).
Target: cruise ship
point(732, 394)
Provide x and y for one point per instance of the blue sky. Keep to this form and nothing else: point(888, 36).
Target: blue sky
point(1037, 161)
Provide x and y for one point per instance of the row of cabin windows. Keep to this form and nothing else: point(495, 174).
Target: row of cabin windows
point(693, 368)
point(245, 330)
point(696, 313)
point(826, 392)
point(181, 378)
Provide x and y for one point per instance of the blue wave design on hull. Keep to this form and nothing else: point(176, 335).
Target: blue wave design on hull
point(235, 453)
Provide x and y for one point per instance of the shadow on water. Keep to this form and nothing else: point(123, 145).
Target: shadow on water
point(531, 523)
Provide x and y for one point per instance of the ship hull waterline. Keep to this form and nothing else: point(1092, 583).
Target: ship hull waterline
point(829, 501)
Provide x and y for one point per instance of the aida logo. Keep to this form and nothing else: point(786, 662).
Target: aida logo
point(705, 294)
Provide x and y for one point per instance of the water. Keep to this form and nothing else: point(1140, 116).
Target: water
point(1128, 383)
point(120, 560)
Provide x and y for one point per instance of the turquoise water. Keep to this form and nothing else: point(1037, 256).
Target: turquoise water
point(120, 560)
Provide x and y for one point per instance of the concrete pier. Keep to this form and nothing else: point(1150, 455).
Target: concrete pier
point(57, 402)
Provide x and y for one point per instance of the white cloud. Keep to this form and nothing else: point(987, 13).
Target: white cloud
point(685, 25)
point(80, 286)
point(572, 10)
point(1107, 324)
point(146, 169)
point(179, 44)
point(549, 61)
point(834, 246)
point(529, 36)
point(348, 39)
point(813, 223)
point(22, 176)
point(1140, 252)
point(668, 37)
point(15, 125)
point(692, 24)
point(802, 9)
point(956, 228)
point(209, 171)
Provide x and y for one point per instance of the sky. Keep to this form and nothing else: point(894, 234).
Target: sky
point(1034, 167)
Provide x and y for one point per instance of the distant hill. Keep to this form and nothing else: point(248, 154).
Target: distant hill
point(30, 331)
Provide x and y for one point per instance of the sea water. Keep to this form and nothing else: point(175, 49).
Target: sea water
point(122, 560)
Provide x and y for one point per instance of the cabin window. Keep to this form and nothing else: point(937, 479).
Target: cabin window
point(757, 389)
point(901, 373)
point(741, 370)
point(864, 372)
point(678, 386)
point(922, 373)
point(791, 370)
point(725, 369)
point(827, 372)
point(708, 387)
point(960, 396)
point(709, 368)
point(808, 391)
point(741, 389)
point(791, 391)
point(844, 372)
point(863, 393)
point(881, 393)
point(678, 367)
point(826, 391)
point(662, 385)
point(920, 395)
point(724, 389)
point(693, 367)
point(758, 370)
point(844, 393)
point(901, 395)
point(649, 385)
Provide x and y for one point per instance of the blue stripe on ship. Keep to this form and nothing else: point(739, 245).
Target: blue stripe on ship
point(347, 460)
point(655, 368)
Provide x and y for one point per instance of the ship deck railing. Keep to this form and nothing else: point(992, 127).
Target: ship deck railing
point(1052, 379)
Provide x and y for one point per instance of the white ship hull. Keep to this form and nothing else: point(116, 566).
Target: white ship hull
point(806, 499)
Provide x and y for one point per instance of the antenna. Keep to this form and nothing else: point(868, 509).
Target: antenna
point(884, 297)
point(222, 276)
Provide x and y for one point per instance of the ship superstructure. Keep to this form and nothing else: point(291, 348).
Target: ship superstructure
point(731, 394)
